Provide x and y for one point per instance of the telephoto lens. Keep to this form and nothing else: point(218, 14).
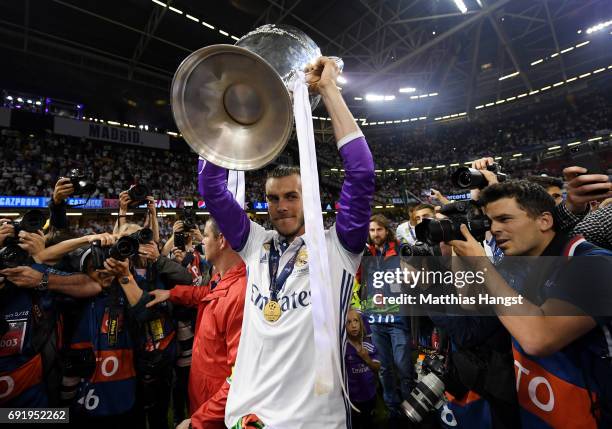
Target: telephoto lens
point(428, 394)
point(434, 231)
point(124, 248)
point(470, 178)
point(32, 221)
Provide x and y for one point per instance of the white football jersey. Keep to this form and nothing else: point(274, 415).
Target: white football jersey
point(405, 234)
point(274, 373)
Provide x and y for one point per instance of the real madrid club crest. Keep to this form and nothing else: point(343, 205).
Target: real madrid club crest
point(302, 257)
point(272, 311)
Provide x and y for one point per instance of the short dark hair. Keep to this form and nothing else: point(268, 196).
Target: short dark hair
point(424, 206)
point(283, 171)
point(531, 197)
point(546, 181)
point(214, 226)
point(385, 223)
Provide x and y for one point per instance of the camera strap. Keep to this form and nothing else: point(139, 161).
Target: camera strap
point(113, 317)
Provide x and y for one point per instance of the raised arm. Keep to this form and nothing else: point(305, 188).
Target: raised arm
point(231, 218)
point(358, 188)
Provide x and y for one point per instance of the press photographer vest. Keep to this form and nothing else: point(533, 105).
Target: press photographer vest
point(565, 388)
point(111, 387)
point(28, 348)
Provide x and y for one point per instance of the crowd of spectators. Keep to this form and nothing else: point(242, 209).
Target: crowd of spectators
point(31, 164)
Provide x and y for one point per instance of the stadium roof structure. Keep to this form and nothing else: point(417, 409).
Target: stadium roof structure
point(118, 57)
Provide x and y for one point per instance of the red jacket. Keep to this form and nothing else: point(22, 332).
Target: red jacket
point(215, 344)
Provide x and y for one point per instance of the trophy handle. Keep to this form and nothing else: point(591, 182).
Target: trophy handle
point(338, 61)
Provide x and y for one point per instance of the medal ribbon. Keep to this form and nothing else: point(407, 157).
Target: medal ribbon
point(277, 283)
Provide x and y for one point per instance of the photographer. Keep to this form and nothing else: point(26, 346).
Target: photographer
point(57, 204)
point(29, 341)
point(157, 345)
point(565, 335)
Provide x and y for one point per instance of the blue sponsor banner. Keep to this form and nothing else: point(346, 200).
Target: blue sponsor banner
point(41, 202)
point(260, 205)
point(465, 196)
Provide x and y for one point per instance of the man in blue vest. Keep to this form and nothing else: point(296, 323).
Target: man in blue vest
point(562, 353)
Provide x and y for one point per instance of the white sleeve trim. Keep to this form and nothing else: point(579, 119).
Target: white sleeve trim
point(348, 138)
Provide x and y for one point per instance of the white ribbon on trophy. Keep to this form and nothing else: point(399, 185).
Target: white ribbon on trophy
point(235, 183)
point(326, 353)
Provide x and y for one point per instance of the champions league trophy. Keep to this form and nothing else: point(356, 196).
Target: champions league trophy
point(232, 103)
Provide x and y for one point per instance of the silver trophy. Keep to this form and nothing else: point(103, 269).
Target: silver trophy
point(231, 102)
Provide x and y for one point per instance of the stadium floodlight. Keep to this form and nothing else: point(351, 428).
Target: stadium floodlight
point(599, 70)
point(554, 147)
point(20, 99)
point(9, 98)
point(536, 62)
point(374, 97)
point(407, 90)
point(225, 33)
point(38, 103)
point(516, 155)
point(193, 18)
point(461, 6)
point(599, 26)
point(342, 80)
point(583, 43)
point(160, 3)
point(175, 10)
point(206, 24)
point(508, 76)
point(235, 38)
point(433, 94)
point(571, 48)
point(358, 98)
point(389, 97)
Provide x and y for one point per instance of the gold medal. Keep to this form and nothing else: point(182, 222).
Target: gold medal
point(272, 311)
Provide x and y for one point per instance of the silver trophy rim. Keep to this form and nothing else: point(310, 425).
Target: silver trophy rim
point(179, 83)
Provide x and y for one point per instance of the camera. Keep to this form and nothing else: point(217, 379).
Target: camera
point(428, 394)
point(180, 240)
point(138, 194)
point(79, 181)
point(124, 248)
point(12, 256)
point(32, 221)
point(434, 231)
point(189, 216)
point(417, 249)
point(144, 235)
point(470, 178)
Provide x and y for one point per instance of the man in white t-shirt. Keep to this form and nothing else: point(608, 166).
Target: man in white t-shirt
point(274, 376)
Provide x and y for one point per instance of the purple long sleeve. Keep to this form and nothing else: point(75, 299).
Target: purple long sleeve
point(353, 219)
point(232, 220)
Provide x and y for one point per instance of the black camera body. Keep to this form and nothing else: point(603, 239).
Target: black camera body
point(417, 249)
point(32, 221)
point(124, 248)
point(144, 235)
point(79, 181)
point(138, 194)
point(434, 231)
point(180, 240)
point(12, 256)
point(470, 178)
point(189, 217)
